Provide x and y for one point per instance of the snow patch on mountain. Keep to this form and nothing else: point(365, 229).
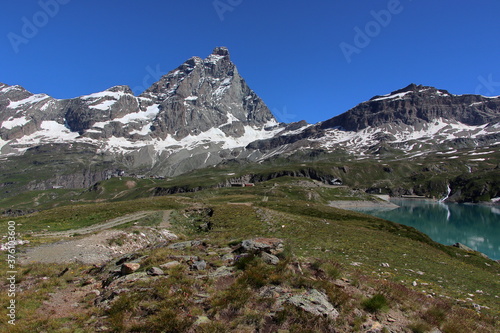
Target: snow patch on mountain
point(54, 132)
point(30, 100)
point(448, 128)
point(389, 96)
point(103, 106)
point(116, 95)
point(427, 132)
point(50, 132)
point(251, 134)
point(139, 116)
point(14, 122)
point(213, 58)
point(2, 144)
point(7, 89)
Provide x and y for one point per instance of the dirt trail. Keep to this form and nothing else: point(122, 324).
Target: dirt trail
point(97, 227)
point(102, 245)
point(165, 223)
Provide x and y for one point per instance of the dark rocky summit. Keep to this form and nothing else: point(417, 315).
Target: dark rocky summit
point(415, 105)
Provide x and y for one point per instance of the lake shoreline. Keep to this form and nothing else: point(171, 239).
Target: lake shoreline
point(446, 222)
point(356, 204)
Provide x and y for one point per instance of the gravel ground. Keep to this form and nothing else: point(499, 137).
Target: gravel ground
point(101, 246)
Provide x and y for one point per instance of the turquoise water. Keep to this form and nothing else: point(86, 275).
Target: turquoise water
point(476, 226)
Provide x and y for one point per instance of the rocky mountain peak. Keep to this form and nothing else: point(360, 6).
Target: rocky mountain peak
point(121, 89)
point(417, 104)
point(411, 87)
point(411, 91)
point(203, 94)
point(221, 51)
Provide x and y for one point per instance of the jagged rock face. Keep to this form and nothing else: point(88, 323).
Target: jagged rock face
point(414, 105)
point(198, 96)
point(83, 113)
point(204, 94)
point(20, 111)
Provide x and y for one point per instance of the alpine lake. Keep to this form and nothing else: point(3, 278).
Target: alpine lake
point(476, 226)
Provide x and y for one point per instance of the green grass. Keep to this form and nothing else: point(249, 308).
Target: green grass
point(329, 243)
point(84, 215)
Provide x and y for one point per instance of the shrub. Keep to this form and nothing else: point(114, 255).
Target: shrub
point(375, 304)
point(420, 327)
point(169, 321)
point(333, 270)
point(436, 314)
point(242, 262)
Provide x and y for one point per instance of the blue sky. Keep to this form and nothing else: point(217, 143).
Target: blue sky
point(307, 59)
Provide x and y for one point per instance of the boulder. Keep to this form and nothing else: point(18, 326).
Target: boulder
point(463, 247)
point(257, 245)
point(199, 265)
point(202, 320)
point(315, 302)
point(155, 271)
point(269, 258)
point(468, 249)
point(170, 264)
point(222, 271)
point(129, 268)
point(168, 235)
point(229, 258)
point(184, 245)
point(185, 258)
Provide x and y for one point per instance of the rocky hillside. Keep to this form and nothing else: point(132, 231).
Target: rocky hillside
point(267, 258)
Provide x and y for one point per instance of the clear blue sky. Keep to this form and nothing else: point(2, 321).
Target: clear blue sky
point(289, 52)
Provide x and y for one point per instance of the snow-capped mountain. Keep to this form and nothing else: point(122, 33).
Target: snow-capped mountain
point(202, 110)
point(203, 113)
point(411, 120)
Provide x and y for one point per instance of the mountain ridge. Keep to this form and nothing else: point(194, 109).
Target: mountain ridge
point(203, 113)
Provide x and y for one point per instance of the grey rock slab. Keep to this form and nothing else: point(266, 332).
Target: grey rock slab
point(315, 302)
point(170, 264)
point(272, 245)
point(269, 258)
point(199, 265)
point(155, 271)
point(222, 271)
